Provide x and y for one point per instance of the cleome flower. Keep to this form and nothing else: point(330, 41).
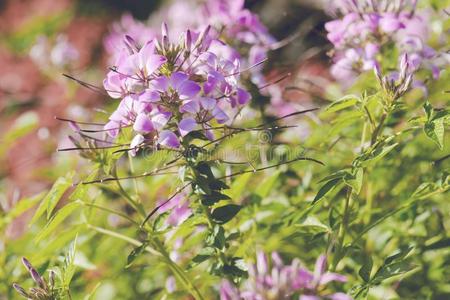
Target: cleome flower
point(366, 30)
point(284, 281)
point(168, 90)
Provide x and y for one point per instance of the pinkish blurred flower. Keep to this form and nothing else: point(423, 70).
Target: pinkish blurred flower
point(283, 281)
point(367, 29)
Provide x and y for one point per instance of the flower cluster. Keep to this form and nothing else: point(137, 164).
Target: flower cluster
point(44, 290)
point(284, 281)
point(369, 29)
point(168, 90)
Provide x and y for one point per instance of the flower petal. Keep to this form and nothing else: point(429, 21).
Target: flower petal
point(186, 125)
point(188, 89)
point(135, 142)
point(143, 124)
point(169, 139)
point(190, 106)
point(177, 78)
point(160, 119)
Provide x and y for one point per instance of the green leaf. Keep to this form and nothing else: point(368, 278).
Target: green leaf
point(355, 181)
point(203, 185)
point(435, 131)
point(366, 269)
point(267, 185)
point(223, 214)
point(344, 102)
point(393, 265)
point(202, 256)
point(52, 198)
point(212, 199)
point(391, 270)
point(135, 253)
point(312, 225)
point(398, 256)
point(377, 154)
point(239, 186)
point(327, 187)
point(24, 124)
point(69, 264)
point(57, 219)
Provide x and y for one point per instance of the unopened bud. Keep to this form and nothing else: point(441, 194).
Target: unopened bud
point(407, 83)
point(21, 290)
point(51, 278)
point(37, 278)
point(377, 72)
point(164, 30)
point(188, 41)
point(165, 43)
point(202, 36)
point(27, 264)
point(131, 44)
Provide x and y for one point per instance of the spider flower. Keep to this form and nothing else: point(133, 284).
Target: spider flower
point(168, 89)
point(364, 31)
point(280, 281)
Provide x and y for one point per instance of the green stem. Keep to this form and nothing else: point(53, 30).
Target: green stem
point(342, 230)
point(379, 128)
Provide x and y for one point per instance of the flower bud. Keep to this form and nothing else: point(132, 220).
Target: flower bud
point(202, 36)
point(188, 41)
point(404, 65)
point(27, 264)
point(20, 290)
point(377, 72)
point(131, 44)
point(164, 30)
point(37, 278)
point(51, 278)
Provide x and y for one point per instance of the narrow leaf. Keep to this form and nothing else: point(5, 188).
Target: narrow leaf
point(327, 187)
point(223, 214)
point(59, 217)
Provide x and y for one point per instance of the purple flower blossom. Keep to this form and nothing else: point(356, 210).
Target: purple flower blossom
point(167, 90)
point(179, 210)
point(283, 281)
point(365, 30)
